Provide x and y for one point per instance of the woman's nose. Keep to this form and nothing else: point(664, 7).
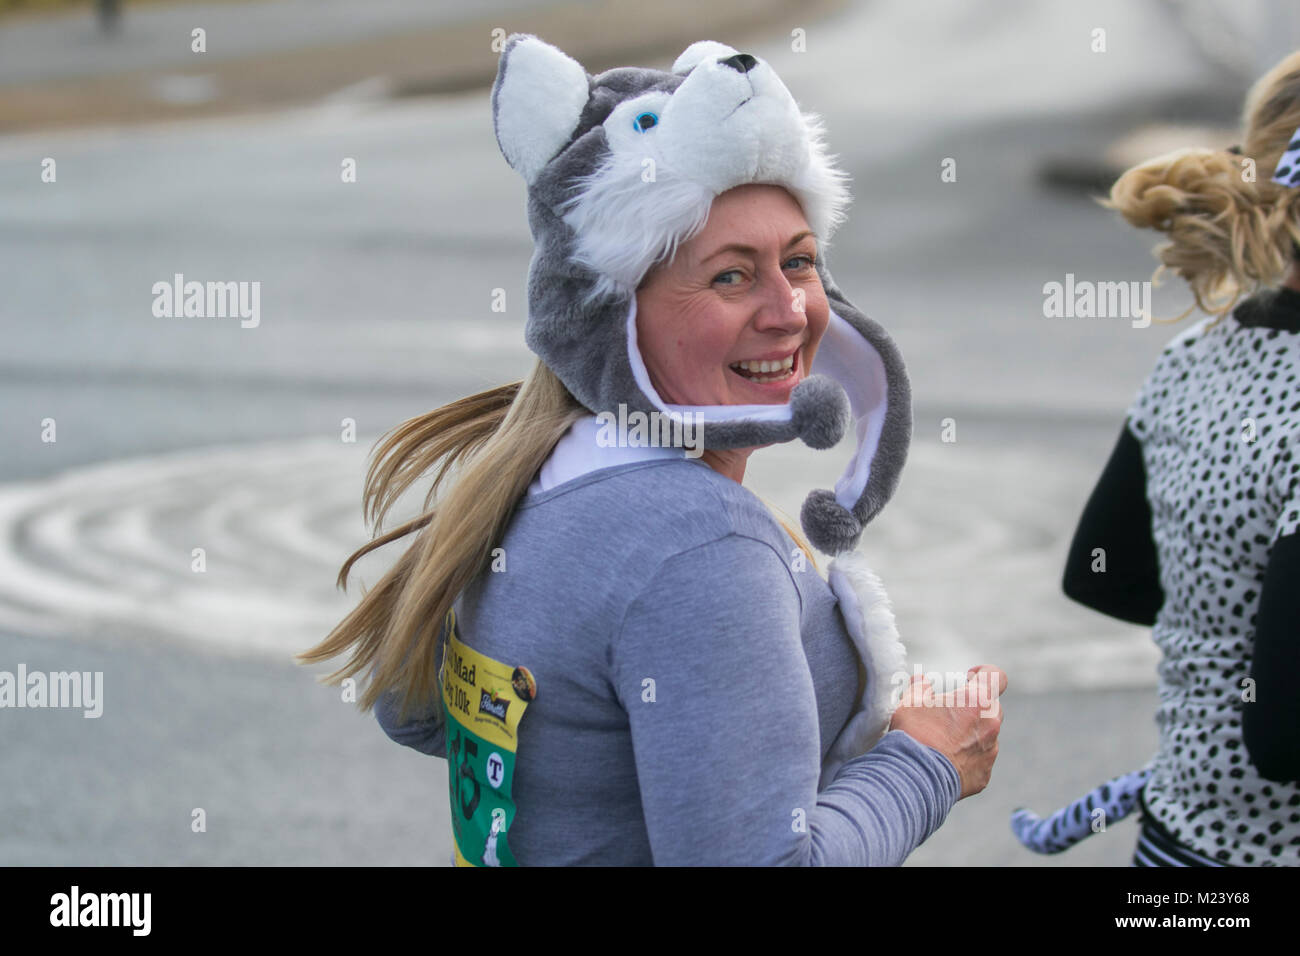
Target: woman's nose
point(784, 307)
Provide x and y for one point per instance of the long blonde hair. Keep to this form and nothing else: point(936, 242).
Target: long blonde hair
point(499, 439)
point(1228, 237)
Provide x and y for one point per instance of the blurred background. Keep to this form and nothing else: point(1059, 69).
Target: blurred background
point(139, 140)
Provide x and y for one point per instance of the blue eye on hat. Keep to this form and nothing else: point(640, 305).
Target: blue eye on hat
point(644, 121)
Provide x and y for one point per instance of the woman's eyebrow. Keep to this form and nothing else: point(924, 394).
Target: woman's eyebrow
point(737, 247)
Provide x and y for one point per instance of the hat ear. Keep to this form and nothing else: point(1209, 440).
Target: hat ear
point(698, 51)
point(537, 100)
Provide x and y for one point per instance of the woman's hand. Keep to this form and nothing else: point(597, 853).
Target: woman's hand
point(962, 725)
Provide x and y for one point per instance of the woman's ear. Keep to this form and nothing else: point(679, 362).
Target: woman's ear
point(537, 100)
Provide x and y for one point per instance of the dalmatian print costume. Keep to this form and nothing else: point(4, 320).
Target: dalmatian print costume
point(1288, 167)
point(1218, 421)
point(1197, 513)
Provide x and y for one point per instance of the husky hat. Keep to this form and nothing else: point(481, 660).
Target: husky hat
point(718, 119)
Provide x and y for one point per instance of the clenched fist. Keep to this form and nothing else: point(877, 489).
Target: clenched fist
point(962, 725)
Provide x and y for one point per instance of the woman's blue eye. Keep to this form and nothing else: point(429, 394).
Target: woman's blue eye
point(806, 258)
point(644, 121)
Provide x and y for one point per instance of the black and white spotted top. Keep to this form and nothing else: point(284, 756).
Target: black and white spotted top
point(1197, 513)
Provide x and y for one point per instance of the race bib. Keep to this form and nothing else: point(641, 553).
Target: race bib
point(483, 701)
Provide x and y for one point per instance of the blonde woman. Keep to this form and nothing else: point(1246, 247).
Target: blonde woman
point(1197, 511)
point(623, 656)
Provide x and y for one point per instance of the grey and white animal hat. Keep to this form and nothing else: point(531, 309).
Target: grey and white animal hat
point(718, 119)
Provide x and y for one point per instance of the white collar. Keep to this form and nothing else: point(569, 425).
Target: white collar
point(577, 453)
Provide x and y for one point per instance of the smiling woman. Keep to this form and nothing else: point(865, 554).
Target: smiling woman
point(736, 317)
point(694, 695)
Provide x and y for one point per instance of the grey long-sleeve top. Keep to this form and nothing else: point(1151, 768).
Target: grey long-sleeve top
point(690, 679)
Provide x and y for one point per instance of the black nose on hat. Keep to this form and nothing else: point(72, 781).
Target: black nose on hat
point(741, 62)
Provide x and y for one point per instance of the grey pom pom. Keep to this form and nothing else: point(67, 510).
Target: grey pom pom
point(830, 527)
point(820, 411)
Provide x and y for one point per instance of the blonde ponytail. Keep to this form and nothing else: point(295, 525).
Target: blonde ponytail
point(498, 439)
point(1231, 229)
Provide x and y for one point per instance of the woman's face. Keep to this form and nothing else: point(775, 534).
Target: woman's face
point(716, 305)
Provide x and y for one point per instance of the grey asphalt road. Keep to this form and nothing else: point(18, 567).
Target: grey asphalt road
point(70, 44)
point(286, 773)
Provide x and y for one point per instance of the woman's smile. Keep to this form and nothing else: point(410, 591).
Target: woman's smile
point(771, 375)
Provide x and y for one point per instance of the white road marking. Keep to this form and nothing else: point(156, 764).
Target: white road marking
point(108, 547)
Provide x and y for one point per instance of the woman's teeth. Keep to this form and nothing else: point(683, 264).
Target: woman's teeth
point(776, 369)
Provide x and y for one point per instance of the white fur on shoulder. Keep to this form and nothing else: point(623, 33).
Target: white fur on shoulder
point(869, 620)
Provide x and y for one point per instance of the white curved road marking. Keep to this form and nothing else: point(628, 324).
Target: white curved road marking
point(107, 548)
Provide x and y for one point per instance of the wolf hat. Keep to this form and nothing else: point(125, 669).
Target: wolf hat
point(719, 119)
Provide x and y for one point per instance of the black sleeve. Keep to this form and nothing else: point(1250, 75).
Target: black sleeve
point(1117, 519)
point(1270, 724)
